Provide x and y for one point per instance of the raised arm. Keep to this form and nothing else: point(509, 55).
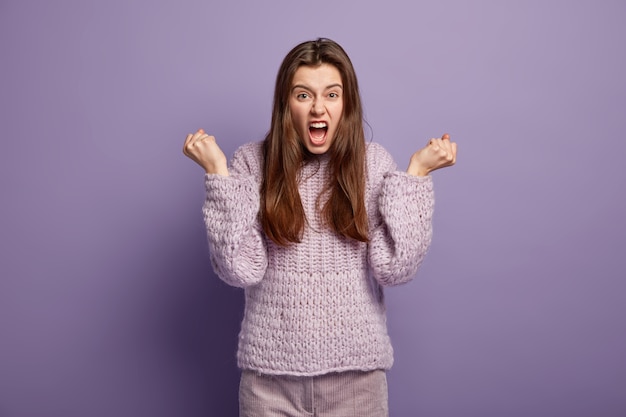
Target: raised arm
point(236, 243)
point(401, 207)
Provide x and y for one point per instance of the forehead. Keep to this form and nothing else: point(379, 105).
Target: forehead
point(320, 76)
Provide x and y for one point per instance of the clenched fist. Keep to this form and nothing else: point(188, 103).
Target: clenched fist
point(439, 153)
point(203, 149)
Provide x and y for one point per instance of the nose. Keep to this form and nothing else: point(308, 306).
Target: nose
point(317, 107)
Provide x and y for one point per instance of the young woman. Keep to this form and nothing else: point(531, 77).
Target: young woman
point(313, 222)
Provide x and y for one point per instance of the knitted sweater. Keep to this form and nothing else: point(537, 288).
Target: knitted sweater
point(316, 306)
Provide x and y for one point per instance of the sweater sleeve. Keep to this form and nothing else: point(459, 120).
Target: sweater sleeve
point(401, 210)
point(236, 243)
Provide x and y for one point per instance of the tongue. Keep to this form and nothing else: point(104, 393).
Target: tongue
point(317, 134)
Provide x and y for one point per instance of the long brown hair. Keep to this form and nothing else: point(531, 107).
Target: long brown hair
point(282, 215)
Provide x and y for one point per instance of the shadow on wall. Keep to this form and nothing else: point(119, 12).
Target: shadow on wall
point(146, 329)
point(195, 319)
point(205, 321)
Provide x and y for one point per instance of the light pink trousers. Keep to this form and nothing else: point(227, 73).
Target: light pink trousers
point(343, 394)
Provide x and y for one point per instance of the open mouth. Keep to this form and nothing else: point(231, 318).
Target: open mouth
point(317, 132)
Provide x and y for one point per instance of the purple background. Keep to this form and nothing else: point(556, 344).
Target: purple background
point(108, 305)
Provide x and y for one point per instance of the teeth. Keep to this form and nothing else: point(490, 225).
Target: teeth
point(318, 125)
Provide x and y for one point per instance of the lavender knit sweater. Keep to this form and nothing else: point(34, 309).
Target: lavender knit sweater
point(317, 306)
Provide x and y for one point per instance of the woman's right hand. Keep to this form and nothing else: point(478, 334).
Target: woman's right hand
point(203, 149)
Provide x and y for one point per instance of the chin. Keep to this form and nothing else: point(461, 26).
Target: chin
point(317, 149)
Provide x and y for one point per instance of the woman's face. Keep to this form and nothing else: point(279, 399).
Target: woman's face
point(316, 105)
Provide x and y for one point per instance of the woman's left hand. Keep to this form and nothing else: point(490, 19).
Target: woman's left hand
point(439, 153)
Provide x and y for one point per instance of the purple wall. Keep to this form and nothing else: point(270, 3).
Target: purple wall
point(108, 306)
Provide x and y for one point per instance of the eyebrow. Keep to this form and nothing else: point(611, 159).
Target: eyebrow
point(310, 89)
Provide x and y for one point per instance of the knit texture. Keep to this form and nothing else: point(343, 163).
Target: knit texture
point(317, 306)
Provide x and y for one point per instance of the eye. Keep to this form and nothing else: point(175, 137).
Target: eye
point(302, 96)
point(333, 95)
